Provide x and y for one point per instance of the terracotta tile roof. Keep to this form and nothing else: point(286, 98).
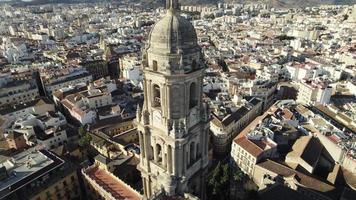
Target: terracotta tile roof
point(263, 144)
point(249, 146)
point(111, 185)
point(287, 114)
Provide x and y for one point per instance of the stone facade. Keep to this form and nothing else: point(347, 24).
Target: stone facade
point(173, 124)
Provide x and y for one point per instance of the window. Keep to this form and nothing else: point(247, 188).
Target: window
point(194, 65)
point(154, 65)
point(156, 96)
point(158, 153)
point(192, 95)
point(192, 152)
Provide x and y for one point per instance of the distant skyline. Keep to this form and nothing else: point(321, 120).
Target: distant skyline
point(156, 3)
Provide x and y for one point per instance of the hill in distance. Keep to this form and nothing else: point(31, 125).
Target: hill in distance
point(160, 3)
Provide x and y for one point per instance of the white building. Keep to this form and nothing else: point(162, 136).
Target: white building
point(130, 66)
point(55, 83)
point(37, 107)
point(82, 106)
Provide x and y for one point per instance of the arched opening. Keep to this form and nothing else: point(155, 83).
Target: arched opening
point(192, 152)
point(198, 151)
point(154, 65)
point(156, 96)
point(194, 65)
point(192, 95)
point(158, 156)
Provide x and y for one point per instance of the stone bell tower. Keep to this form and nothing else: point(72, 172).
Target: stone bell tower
point(173, 121)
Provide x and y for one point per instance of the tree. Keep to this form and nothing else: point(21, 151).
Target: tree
point(218, 186)
point(84, 140)
point(345, 17)
point(85, 136)
point(82, 130)
point(238, 175)
point(223, 65)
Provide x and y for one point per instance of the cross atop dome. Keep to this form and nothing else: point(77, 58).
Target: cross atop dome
point(172, 5)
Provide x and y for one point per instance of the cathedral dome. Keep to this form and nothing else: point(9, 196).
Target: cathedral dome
point(172, 33)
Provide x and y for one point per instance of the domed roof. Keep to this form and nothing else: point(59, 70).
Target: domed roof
point(172, 33)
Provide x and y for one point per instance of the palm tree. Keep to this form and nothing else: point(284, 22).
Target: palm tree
point(238, 175)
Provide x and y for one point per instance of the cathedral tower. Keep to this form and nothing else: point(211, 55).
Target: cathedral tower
point(173, 121)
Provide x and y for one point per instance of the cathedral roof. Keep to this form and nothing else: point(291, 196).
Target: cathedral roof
point(173, 32)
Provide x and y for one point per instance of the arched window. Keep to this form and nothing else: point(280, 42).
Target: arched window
point(194, 65)
point(198, 151)
point(158, 153)
point(154, 65)
point(192, 152)
point(156, 96)
point(193, 95)
point(151, 157)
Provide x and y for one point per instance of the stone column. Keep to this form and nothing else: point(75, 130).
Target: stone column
point(164, 156)
point(142, 147)
point(149, 185)
point(155, 153)
point(187, 150)
point(203, 187)
point(206, 141)
point(174, 161)
point(145, 145)
point(179, 157)
point(149, 93)
point(163, 98)
point(199, 91)
point(146, 92)
point(145, 187)
point(184, 167)
point(168, 100)
point(169, 159)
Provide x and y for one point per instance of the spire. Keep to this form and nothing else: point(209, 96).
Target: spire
point(172, 5)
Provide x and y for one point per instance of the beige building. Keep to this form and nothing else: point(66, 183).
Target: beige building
point(18, 92)
point(270, 172)
point(39, 175)
point(311, 92)
point(300, 156)
point(247, 152)
point(173, 124)
point(63, 188)
point(225, 128)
